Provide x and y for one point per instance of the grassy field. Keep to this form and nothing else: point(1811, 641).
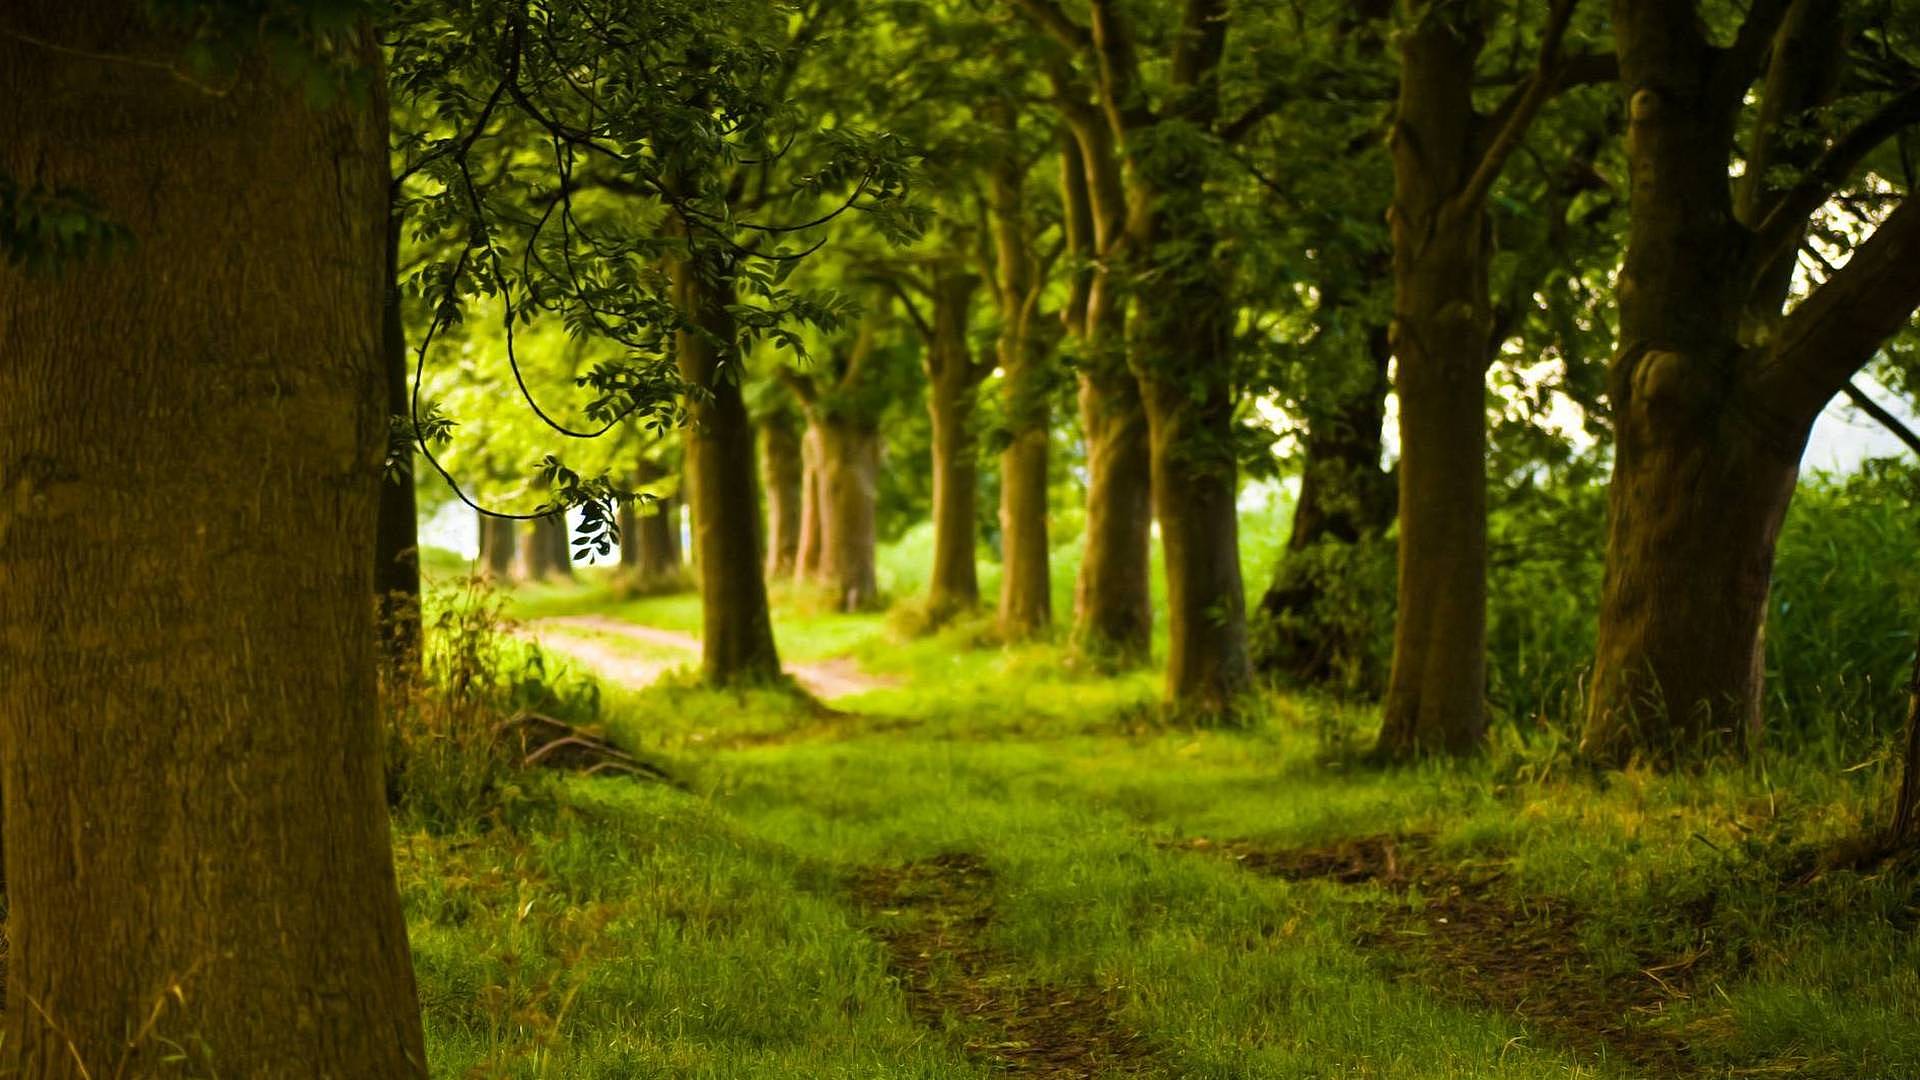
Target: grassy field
point(991, 864)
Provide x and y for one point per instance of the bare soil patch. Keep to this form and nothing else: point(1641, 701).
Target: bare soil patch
point(830, 678)
point(1469, 938)
point(933, 916)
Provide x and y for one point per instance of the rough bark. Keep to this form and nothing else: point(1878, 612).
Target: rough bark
point(736, 625)
point(780, 477)
point(1181, 345)
point(1446, 158)
point(1112, 598)
point(953, 383)
point(1345, 498)
point(1026, 377)
point(191, 432)
point(396, 561)
point(1714, 391)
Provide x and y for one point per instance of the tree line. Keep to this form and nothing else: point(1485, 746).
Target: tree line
point(266, 259)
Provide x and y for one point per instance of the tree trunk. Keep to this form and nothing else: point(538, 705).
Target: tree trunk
point(1442, 327)
point(496, 547)
point(396, 577)
point(1026, 581)
point(559, 536)
point(1190, 423)
point(534, 560)
point(1345, 497)
point(1112, 596)
point(810, 549)
point(953, 383)
point(629, 518)
point(780, 469)
point(1694, 509)
point(191, 427)
point(1709, 430)
point(655, 559)
point(849, 486)
point(736, 625)
point(1183, 355)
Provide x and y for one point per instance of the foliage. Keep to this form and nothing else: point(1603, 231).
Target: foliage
point(451, 764)
point(558, 156)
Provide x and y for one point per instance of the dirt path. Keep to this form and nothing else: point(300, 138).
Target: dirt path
point(827, 679)
point(933, 917)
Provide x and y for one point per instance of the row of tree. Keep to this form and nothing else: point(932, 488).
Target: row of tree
point(1708, 156)
point(209, 313)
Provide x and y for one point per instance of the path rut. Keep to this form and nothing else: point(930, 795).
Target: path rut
point(827, 679)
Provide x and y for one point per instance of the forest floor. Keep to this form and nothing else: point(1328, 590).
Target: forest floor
point(980, 862)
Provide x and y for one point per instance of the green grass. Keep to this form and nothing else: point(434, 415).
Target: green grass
point(629, 930)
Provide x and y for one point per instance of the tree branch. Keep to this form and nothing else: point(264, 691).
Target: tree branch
point(1049, 17)
point(1881, 416)
point(906, 301)
point(1126, 106)
point(1737, 65)
point(1532, 95)
point(1780, 229)
point(1835, 331)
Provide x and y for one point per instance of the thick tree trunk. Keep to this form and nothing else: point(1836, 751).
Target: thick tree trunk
point(1190, 421)
point(191, 430)
point(1708, 430)
point(953, 383)
point(1112, 596)
point(736, 625)
point(1026, 374)
point(1345, 497)
point(1442, 327)
point(780, 469)
point(496, 547)
point(1694, 509)
point(810, 549)
point(1183, 354)
point(849, 486)
point(396, 576)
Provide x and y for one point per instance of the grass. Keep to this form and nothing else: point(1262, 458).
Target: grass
point(736, 930)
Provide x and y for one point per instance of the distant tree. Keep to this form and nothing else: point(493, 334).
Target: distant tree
point(845, 393)
point(199, 871)
point(1112, 597)
point(1180, 342)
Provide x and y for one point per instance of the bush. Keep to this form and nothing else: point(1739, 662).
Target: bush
point(451, 765)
